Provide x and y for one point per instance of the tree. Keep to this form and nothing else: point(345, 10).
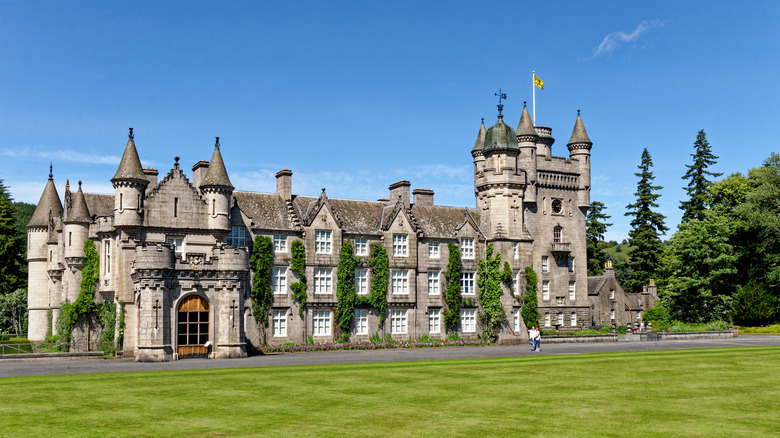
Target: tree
point(13, 312)
point(753, 305)
point(345, 289)
point(647, 225)
point(12, 247)
point(530, 311)
point(489, 287)
point(698, 184)
point(596, 227)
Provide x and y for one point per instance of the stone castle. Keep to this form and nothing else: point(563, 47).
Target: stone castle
point(175, 251)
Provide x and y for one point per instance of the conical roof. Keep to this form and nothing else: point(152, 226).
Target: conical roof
point(79, 213)
point(50, 201)
point(130, 166)
point(500, 136)
point(526, 127)
point(480, 138)
point(217, 175)
point(579, 135)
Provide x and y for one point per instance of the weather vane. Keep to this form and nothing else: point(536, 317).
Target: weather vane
point(501, 96)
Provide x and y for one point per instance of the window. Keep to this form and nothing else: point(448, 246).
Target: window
point(570, 263)
point(545, 290)
point(515, 285)
point(573, 319)
point(361, 247)
point(398, 321)
point(70, 238)
point(361, 321)
point(108, 257)
point(468, 320)
point(322, 242)
point(433, 283)
point(175, 206)
point(558, 234)
point(612, 314)
point(467, 248)
point(400, 283)
point(178, 245)
point(545, 263)
point(572, 295)
point(516, 249)
point(361, 281)
point(612, 294)
point(279, 326)
point(280, 243)
point(516, 319)
point(321, 322)
point(546, 319)
point(467, 283)
point(560, 318)
point(399, 245)
point(122, 208)
point(434, 321)
point(323, 281)
point(279, 280)
point(433, 250)
point(237, 237)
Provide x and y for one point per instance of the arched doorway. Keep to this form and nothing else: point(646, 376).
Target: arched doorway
point(193, 327)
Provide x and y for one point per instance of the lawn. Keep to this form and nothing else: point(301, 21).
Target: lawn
point(712, 392)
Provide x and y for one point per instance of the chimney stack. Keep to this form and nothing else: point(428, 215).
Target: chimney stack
point(151, 175)
point(399, 192)
point(284, 184)
point(423, 196)
point(199, 172)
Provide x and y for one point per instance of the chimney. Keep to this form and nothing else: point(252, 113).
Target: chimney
point(199, 172)
point(423, 196)
point(399, 192)
point(609, 271)
point(284, 184)
point(151, 175)
point(652, 289)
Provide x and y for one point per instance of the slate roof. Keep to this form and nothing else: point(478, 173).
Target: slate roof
point(50, 201)
point(100, 205)
point(130, 166)
point(596, 284)
point(266, 210)
point(441, 222)
point(480, 143)
point(79, 212)
point(526, 127)
point(217, 175)
point(355, 217)
point(578, 135)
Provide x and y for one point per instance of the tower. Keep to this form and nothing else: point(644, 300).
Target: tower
point(579, 150)
point(526, 142)
point(129, 188)
point(74, 234)
point(216, 189)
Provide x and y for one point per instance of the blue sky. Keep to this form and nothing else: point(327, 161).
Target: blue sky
point(353, 96)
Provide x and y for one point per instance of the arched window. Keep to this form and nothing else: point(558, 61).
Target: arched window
point(574, 319)
point(547, 319)
point(558, 234)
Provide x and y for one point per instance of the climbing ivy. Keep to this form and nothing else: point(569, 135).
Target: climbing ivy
point(84, 305)
point(506, 276)
point(345, 289)
point(260, 263)
point(530, 310)
point(452, 292)
point(379, 264)
point(298, 251)
point(120, 330)
point(108, 322)
point(489, 288)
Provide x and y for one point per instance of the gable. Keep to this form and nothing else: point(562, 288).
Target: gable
point(175, 203)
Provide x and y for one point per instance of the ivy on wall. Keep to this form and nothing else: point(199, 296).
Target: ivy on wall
point(380, 265)
point(108, 322)
point(260, 262)
point(530, 310)
point(120, 330)
point(506, 276)
point(489, 288)
point(345, 289)
point(452, 292)
point(84, 305)
point(298, 262)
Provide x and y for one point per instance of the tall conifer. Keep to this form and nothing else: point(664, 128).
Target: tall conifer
point(698, 184)
point(12, 243)
point(596, 227)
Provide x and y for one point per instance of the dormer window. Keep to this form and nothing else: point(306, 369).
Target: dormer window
point(400, 245)
point(467, 248)
point(237, 236)
point(322, 242)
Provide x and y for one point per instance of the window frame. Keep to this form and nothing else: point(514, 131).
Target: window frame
point(279, 330)
point(434, 321)
point(279, 280)
point(468, 320)
point(434, 278)
point(399, 282)
point(323, 242)
point(361, 282)
point(320, 275)
point(467, 249)
point(545, 264)
point(545, 290)
point(434, 251)
point(400, 245)
point(468, 283)
point(572, 290)
point(325, 318)
point(361, 321)
point(398, 316)
point(361, 246)
point(280, 243)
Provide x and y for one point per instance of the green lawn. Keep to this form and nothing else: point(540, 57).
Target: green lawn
point(706, 393)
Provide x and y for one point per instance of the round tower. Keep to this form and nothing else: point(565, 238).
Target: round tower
point(479, 159)
point(526, 142)
point(579, 150)
point(129, 188)
point(216, 189)
point(75, 233)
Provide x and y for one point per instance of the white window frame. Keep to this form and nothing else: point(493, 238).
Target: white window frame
point(361, 321)
point(516, 319)
point(516, 250)
point(323, 242)
point(434, 321)
point(400, 245)
point(573, 319)
point(433, 250)
point(545, 264)
point(545, 290)
point(361, 281)
point(280, 243)
point(612, 294)
point(107, 257)
point(361, 246)
point(398, 321)
point(399, 282)
point(612, 314)
point(323, 280)
point(467, 284)
point(279, 280)
point(468, 320)
point(178, 245)
point(321, 322)
point(560, 318)
point(547, 319)
point(279, 323)
point(516, 284)
point(572, 291)
point(434, 283)
point(467, 248)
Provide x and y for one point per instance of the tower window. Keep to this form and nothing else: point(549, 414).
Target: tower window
point(70, 239)
point(120, 202)
point(175, 207)
point(558, 234)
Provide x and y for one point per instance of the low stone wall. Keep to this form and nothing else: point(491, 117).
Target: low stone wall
point(564, 339)
point(676, 336)
point(6, 358)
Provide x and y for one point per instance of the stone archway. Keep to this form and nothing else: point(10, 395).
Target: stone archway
point(192, 318)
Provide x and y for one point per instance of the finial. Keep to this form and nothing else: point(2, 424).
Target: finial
point(501, 96)
point(483, 120)
point(323, 190)
point(524, 104)
point(216, 145)
point(79, 185)
point(176, 164)
point(578, 113)
point(67, 184)
point(51, 167)
point(130, 135)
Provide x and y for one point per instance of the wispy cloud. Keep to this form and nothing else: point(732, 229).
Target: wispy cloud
point(618, 38)
point(66, 155)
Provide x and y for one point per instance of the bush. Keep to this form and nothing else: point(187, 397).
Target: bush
point(753, 305)
point(658, 315)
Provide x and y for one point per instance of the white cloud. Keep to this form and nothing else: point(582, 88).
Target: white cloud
point(618, 38)
point(67, 155)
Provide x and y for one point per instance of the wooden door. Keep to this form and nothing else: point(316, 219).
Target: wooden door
point(193, 327)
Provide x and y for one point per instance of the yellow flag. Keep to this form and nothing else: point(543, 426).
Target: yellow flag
point(538, 82)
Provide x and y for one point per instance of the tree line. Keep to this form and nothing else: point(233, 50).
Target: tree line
point(14, 217)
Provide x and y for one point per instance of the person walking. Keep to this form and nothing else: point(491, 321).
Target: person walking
point(538, 340)
point(532, 335)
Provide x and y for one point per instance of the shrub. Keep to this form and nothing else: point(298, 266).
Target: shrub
point(753, 305)
point(658, 315)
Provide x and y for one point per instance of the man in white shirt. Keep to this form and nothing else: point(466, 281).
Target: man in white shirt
point(532, 335)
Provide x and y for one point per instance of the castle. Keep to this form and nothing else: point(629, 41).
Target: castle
point(175, 251)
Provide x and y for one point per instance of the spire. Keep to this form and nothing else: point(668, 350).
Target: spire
point(80, 212)
point(130, 166)
point(579, 136)
point(500, 136)
point(217, 175)
point(526, 128)
point(49, 203)
point(480, 138)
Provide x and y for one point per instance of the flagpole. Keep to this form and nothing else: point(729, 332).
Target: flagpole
point(533, 89)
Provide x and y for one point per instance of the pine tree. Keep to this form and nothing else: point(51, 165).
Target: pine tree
point(12, 243)
point(698, 184)
point(646, 226)
point(596, 227)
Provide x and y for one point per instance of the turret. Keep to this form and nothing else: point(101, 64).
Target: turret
point(76, 226)
point(479, 159)
point(526, 141)
point(579, 150)
point(129, 188)
point(216, 189)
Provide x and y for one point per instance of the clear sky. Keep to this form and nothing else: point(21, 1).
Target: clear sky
point(353, 96)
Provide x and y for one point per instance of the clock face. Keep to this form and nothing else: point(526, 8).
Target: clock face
point(557, 206)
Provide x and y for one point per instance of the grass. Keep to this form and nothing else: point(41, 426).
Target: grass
point(713, 392)
point(773, 329)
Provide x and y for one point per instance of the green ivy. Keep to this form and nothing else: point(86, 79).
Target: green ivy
point(108, 323)
point(380, 265)
point(489, 288)
point(298, 251)
point(506, 276)
point(530, 310)
point(452, 291)
point(64, 324)
point(84, 305)
point(48, 322)
point(260, 263)
point(120, 334)
point(345, 289)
